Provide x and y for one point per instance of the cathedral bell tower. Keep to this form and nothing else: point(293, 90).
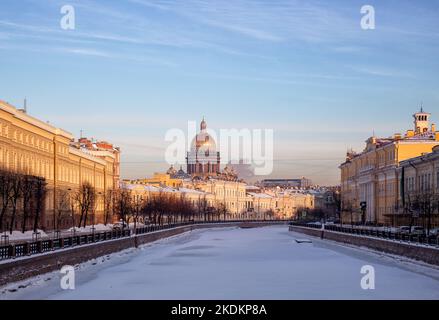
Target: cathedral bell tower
point(422, 120)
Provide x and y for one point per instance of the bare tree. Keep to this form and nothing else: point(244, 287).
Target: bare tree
point(85, 199)
point(347, 207)
point(222, 210)
point(428, 205)
point(203, 207)
point(270, 213)
point(109, 199)
point(6, 179)
point(337, 204)
point(22, 197)
point(421, 204)
point(39, 199)
point(138, 205)
point(124, 205)
point(169, 207)
point(16, 193)
point(186, 208)
point(62, 208)
point(413, 207)
point(27, 191)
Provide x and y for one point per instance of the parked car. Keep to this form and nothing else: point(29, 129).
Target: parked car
point(404, 229)
point(434, 232)
point(119, 226)
point(417, 230)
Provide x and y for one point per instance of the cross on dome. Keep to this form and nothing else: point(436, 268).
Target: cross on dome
point(203, 125)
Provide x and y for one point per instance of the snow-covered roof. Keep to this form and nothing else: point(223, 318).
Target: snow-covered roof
point(259, 195)
point(187, 190)
point(151, 188)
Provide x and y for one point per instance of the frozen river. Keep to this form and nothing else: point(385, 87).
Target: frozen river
point(233, 263)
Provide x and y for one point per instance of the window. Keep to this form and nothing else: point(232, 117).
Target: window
point(429, 181)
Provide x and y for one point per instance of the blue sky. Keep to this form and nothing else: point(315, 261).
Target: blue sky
point(133, 69)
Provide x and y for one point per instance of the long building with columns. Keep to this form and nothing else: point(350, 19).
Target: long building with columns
point(31, 146)
point(371, 176)
point(419, 194)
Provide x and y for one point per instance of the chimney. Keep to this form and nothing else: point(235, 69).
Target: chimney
point(24, 109)
point(397, 136)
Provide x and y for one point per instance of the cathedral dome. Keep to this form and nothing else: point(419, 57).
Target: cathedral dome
point(203, 143)
point(203, 158)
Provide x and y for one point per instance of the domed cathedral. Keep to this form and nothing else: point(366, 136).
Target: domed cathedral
point(203, 160)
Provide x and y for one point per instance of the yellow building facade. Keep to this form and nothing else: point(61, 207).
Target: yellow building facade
point(31, 146)
point(419, 194)
point(371, 177)
point(230, 193)
point(159, 180)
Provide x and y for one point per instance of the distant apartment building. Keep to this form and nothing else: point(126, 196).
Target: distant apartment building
point(230, 193)
point(158, 180)
point(370, 178)
point(301, 183)
point(31, 146)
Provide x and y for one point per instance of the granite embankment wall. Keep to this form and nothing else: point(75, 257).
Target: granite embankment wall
point(418, 252)
point(26, 267)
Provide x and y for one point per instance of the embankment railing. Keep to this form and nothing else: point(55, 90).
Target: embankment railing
point(12, 251)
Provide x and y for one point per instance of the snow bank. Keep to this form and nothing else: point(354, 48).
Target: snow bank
point(98, 227)
point(18, 235)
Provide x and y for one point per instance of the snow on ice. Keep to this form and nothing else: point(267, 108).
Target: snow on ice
point(233, 263)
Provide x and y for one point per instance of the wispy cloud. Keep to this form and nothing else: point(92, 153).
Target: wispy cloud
point(308, 79)
point(381, 71)
point(302, 67)
point(251, 32)
point(270, 21)
point(86, 52)
point(349, 49)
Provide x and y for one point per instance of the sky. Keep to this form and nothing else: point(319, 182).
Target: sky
point(133, 69)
